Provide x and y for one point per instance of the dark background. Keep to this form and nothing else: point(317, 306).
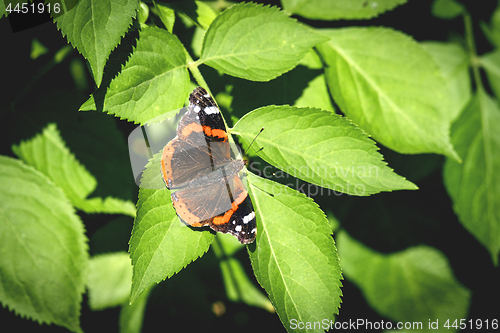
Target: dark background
point(386, 223)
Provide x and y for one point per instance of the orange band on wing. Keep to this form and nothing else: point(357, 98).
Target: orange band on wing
point(234, 206)
point(215, 132)
point(193, 127)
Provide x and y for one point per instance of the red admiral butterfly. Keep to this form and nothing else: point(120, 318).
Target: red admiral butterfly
point(198, 164)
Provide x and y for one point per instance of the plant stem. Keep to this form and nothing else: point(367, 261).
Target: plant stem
point(474, 59)
point(193, 68)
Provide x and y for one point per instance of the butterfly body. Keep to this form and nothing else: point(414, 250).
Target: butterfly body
point(197, 163)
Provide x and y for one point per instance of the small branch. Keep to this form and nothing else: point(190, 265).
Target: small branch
point(193, 68)
point(474, 60)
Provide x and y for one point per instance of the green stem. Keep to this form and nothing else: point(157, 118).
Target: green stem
point(193, 68)
point(474, 59)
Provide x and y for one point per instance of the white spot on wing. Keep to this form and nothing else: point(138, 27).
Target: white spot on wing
point(211, 110)
point(249, 217)
point(238, 228)
point(206, 95)
point(196, 108)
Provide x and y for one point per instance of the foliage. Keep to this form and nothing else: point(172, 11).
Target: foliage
point(343, 103)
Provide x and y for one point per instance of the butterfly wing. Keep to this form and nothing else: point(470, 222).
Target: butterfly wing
point(198, 163)
point(241, 224)
point(201, 144)
point(211, 204)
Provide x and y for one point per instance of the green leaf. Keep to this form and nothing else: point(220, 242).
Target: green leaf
point(447, 9)
point(315, 95)
point(334, 222)
point(303, 86)
point(391, 87)
point(197, 41)
point(108, 205)
point(492, 31)
point(454, 64)
point(321, 148)
point(414, 285)
point(294, 258)
point(256, 43)
point(143, 13)
point(44, 256)
point(154, 81)
point(197, 11)
point(474, 185)
point(340, 9)
point(239, 287)
point(2, 9)
point(78, 72)
point(93, 137)
point(37, 49)
point(491, 65)
point(95, 28)
point(109, 280)
point(161, 245)
point(48, 153)
point(167, 16)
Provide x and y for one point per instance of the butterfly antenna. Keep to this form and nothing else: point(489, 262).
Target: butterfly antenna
point(259, 149)
point(254, 141)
